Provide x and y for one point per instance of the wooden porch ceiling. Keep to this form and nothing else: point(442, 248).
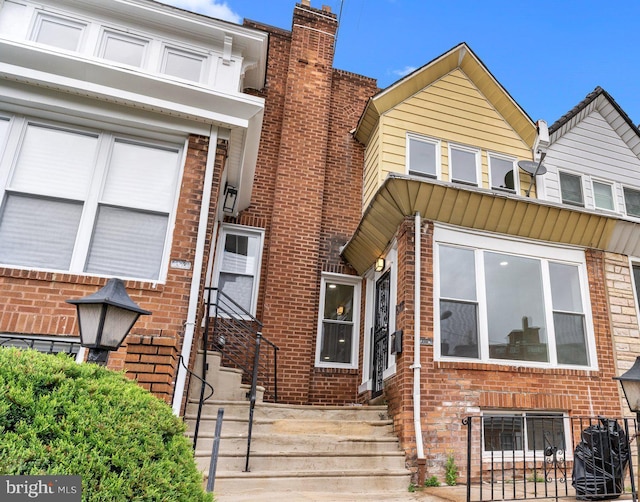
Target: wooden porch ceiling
point(485, 210)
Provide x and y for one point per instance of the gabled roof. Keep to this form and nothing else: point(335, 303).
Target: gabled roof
point(599, 100)
point(461, 56)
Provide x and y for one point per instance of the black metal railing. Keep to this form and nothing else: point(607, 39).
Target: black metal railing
point(535, 455)
point(231, 330)
point(45, 344)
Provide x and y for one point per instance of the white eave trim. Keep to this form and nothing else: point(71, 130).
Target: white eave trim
point(71, 74)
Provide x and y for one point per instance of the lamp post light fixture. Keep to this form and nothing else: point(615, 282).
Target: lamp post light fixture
point(105, 318)
point(630, 382)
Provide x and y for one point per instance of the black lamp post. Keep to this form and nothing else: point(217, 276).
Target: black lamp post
point(630, 382)
point(105, 318)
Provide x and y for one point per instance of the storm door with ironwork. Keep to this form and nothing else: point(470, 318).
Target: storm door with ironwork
point(380, 333)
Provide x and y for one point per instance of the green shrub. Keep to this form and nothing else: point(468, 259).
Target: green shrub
point(432, 481)
point(59, 417)
point(451, 471)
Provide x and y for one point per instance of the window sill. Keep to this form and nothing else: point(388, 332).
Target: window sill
point(485, 366)
point(65, 277)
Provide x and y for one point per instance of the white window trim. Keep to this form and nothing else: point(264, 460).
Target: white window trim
point(635, 260)
point(544, 253)
point(17, 130)
point(61, 19)
point(516, 176)
point(525, 454)
point(583, 184)
point(438, 155)
point(350, 280)
point(107, 32)
point(613, 186)
point(168, 48)
point(624, 200)
point(476, 152)
point(233, 228)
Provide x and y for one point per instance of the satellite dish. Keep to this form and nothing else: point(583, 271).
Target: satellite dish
point(532, 167)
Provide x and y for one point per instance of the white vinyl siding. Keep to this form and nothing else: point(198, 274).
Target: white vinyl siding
point(594, 149)
point(89, 201)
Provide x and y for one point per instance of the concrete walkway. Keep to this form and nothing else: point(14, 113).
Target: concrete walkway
point(440, 494)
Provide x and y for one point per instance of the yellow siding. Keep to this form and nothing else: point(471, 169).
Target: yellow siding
point(371, 176)
point(451, 109)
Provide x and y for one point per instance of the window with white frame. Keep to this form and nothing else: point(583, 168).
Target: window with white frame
point(338, 321)
point(123, 48)
point(632, 201)
point(81, 200)
point(635, 268)
point(502, 173)
point(522, 433)
point(508, 300)
point(464, 165)
point(571, 189)
point(183, 64)
point(58, 32)
point(239, 259)
point(422, 156)
point(603, 195)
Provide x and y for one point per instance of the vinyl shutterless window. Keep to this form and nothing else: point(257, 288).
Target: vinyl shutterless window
point(632, 201)
point(339, 316)
point(603, 195)
point(239, 258)
point(105, 209)
point(463, 164)
point(496, 305)
point(183, 64)
point(123, 48)
point(422, 156)
point(502, 173)
point(571, 189)
point(522, 433)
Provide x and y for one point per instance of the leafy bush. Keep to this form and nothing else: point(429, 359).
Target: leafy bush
point(432, 481)
point(58, 417)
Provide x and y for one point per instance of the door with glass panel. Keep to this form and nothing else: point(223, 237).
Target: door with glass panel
point(380, 333)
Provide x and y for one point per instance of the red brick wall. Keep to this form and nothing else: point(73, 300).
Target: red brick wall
point(34, 302)
point(306, 195)
point(453, 390)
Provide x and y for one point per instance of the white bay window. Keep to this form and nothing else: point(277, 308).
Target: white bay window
point(502, 300)
point(86, 201)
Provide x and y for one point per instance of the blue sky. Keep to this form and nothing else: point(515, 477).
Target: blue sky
point(548, 54)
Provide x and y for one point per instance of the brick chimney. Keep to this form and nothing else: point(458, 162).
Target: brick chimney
point(290, 310)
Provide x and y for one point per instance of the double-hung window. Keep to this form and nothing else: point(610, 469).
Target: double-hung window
point(422, 156)
point(338, 321)
point(81, 200)
point(464, 165)
point(502, 173)
point(521, 434)
point(603, 195)
point(632, 201)
point(571, 189)
point(507, 300)
point(239, 258)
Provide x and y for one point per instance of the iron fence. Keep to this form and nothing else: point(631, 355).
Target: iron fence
point(537, 456)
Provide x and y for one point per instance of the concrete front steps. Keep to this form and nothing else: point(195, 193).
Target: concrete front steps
point(296, 449)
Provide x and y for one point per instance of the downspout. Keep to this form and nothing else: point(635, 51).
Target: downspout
point(194, 294)
point(416, 343)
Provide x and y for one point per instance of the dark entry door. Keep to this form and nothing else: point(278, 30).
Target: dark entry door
point(380, 333)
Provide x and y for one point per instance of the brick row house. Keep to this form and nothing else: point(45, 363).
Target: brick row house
point(387, 240)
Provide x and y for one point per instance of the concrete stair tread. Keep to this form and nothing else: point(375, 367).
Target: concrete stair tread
point(305, 421)
point(346, 473)
point(335, 438)
point(303, 454)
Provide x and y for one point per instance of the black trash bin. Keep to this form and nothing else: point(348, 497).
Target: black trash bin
point(600, 461)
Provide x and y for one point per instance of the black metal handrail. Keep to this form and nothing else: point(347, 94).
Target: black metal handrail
point(237, 335)
point(517, 456)
point(41, 343)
